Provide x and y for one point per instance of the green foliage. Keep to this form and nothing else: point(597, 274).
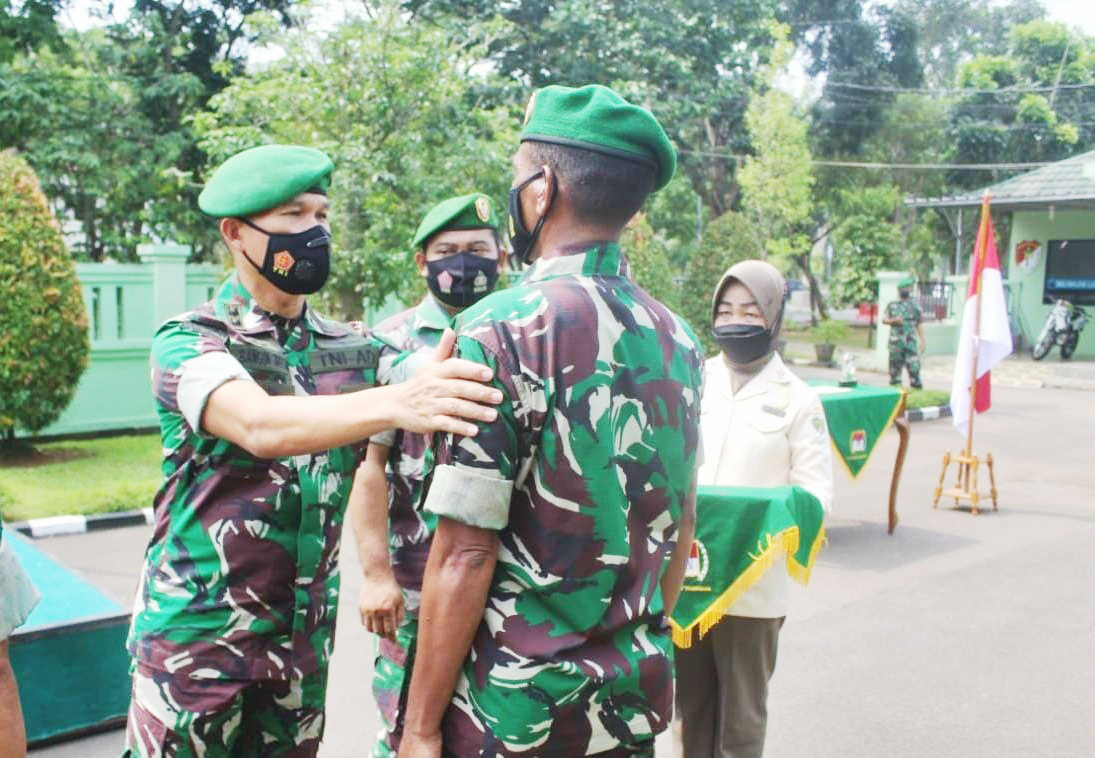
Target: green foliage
point(865, 242)
point(728, 239)
point(82, 128)
point(394, 105)
point(1006, 122)
point(103, 119)
point(44, 344)
point(829, 332)
point(82, 476)
point(692, 63)
point(776, 181)
point(646, 251)
point(25, 28)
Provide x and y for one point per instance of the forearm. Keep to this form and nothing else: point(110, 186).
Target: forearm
point(270, 426)
point(454, 595)
point(368, 512)
point(673, 579)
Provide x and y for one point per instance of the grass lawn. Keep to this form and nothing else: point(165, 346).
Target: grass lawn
point(925, 398)
point(81, 476)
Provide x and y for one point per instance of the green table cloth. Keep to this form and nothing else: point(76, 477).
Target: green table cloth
point(857, 417)
point(740, 533)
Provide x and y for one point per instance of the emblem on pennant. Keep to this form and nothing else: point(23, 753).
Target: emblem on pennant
point(858, 442)
point(482, 208)
point(283, 261)
point(697, 564)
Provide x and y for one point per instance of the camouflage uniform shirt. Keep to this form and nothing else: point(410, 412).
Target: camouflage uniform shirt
point(240, 579)
point(584, 476)
point(416, 329)
point(904, 332)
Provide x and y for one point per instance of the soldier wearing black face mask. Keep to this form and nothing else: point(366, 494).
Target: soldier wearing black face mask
point(264, 406)
point(457, 252)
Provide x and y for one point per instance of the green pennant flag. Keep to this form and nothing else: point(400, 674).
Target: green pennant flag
point(740, 533)
point(857, 418)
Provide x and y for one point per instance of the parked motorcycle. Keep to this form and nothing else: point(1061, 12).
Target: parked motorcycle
point(1063, 327)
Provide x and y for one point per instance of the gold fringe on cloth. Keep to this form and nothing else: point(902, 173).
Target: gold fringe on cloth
point(785, 542)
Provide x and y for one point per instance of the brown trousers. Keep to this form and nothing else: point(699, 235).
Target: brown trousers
point(722, 688)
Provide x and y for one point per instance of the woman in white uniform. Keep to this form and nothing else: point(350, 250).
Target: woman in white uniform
point(762, 426)
point(17, 599)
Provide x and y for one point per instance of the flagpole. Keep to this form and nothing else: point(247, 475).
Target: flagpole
point(979, 269)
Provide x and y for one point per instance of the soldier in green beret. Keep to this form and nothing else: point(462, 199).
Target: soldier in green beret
point(457, 250)
point(264, 406)
point(906, 324)
point(562, 528)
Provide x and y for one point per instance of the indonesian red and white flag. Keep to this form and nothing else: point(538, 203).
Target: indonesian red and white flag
point(985, 335)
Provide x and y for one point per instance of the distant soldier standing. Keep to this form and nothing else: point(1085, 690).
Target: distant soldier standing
point(458, 253)
point(263, 406)
point(906, 324)
point(563, 527)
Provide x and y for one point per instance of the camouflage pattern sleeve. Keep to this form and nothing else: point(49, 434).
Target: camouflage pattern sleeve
point(473, 480)
point(187, 366)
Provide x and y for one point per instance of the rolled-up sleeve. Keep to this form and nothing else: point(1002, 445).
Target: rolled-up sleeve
point(187, 366)
point(474, 477)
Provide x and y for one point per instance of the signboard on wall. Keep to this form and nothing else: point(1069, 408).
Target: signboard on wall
point(1070, 271)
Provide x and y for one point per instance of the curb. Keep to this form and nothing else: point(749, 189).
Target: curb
point(53, 526)
point(929, 413)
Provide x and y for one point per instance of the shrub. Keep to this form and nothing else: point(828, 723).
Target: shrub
point(647, 253)
point(44, 343)
point(829, 331)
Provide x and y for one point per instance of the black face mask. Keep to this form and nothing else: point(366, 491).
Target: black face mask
point(520, 237)
point(295, 263)
point(461, 279)
point(743, 343)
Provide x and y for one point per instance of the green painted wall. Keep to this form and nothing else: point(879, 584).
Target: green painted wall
point(125, 303)
point(1027, 284)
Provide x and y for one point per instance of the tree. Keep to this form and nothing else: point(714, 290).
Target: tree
point(28, 27)
point(396, 109)
point(44, 345)
point(866, 242)
point(777, 180)
point(692, 62)
point(99, 158)
point(1035, 103)
point(863, 58)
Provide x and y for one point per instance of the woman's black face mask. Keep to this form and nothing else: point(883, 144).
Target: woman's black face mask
point(743, 343)
point(298, 264)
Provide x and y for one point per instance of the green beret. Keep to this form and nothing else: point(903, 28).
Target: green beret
point(596, 118)
point(474, 211)
point(261, 178)
point(908, 281)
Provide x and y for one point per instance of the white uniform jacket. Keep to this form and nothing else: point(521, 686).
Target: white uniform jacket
point(771, 433)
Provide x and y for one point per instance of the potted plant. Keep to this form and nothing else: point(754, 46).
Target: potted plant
point(825, 335)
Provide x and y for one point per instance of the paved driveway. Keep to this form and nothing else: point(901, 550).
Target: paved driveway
point(957, 636)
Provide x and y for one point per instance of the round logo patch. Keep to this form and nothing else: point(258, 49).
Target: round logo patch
point(697, 564)
point(283, 261)
point(482, 208)
point(1027, 255)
